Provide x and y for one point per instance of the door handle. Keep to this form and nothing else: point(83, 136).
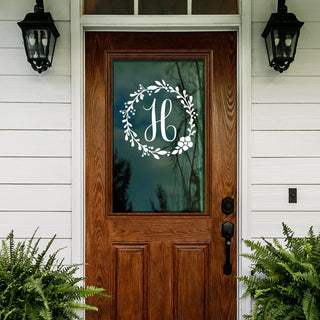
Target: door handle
point(227, 233)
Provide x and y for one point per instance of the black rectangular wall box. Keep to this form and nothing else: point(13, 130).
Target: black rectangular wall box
point(292, 195)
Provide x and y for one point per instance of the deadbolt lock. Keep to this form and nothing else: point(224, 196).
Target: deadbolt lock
point(227, 205)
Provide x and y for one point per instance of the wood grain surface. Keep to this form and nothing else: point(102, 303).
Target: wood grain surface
point(162, 267)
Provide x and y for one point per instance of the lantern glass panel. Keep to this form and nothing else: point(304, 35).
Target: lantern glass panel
point(269, 45)
point(44, 34)
point(285, 42)
point(32, 45)
point(52, 44)
point(37, 43)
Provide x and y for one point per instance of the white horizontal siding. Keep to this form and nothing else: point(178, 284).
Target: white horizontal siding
point(286, 90)
point(35, 116)
point(285, 170)
point(24, 223)
point(35, 198)
point(35, 170)
point(275, 198)
point(307, 63)
point(35, 143)
point(14, 62)
point(286, 127)
point(17, 9)
point(35, 89)
point(286, 144)
point(35, 132)
point(269, 224)
point(276, 116)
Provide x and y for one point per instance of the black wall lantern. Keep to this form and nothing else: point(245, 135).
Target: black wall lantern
point(39, 36)
point(281, 36)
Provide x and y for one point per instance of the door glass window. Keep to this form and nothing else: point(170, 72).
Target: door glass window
point(214, 7)
point(158, 136)
point(163, 7)
point(160, 7)
point(121, 7)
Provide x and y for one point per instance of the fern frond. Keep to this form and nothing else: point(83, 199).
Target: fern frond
point(310, 307)
point(40, 258)
point(82, 306)
point(285, 280)
point(34, 287)
point(86, 292)
point(289, 234)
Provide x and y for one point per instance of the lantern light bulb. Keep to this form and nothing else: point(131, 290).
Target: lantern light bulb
point(276, 41)
point(288, 40)
point(44, 42)
point(32, 40)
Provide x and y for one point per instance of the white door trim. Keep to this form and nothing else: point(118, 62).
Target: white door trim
point(184, 23)
point(160, 23)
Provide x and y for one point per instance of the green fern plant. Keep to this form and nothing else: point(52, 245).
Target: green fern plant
point(36, 286)
point(285, 281)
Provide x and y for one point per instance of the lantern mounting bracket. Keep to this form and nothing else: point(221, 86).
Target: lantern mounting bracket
point(282, 8)
point(39, 7)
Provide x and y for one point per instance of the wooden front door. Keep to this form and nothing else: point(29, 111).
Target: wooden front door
point(161, 155)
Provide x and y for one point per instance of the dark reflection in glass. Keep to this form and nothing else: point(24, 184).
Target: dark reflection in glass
point(162, 6)
point(109, 7)
point(121, 183)
point(215, 7)
point(158, 136)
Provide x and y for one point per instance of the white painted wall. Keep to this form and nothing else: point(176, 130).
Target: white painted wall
point(286, 127)
point(35, 132)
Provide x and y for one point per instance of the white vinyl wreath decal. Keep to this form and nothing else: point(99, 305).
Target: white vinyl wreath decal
point(131, 136)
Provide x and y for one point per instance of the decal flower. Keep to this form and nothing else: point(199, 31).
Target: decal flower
point(129, 110)
point(184, 144)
